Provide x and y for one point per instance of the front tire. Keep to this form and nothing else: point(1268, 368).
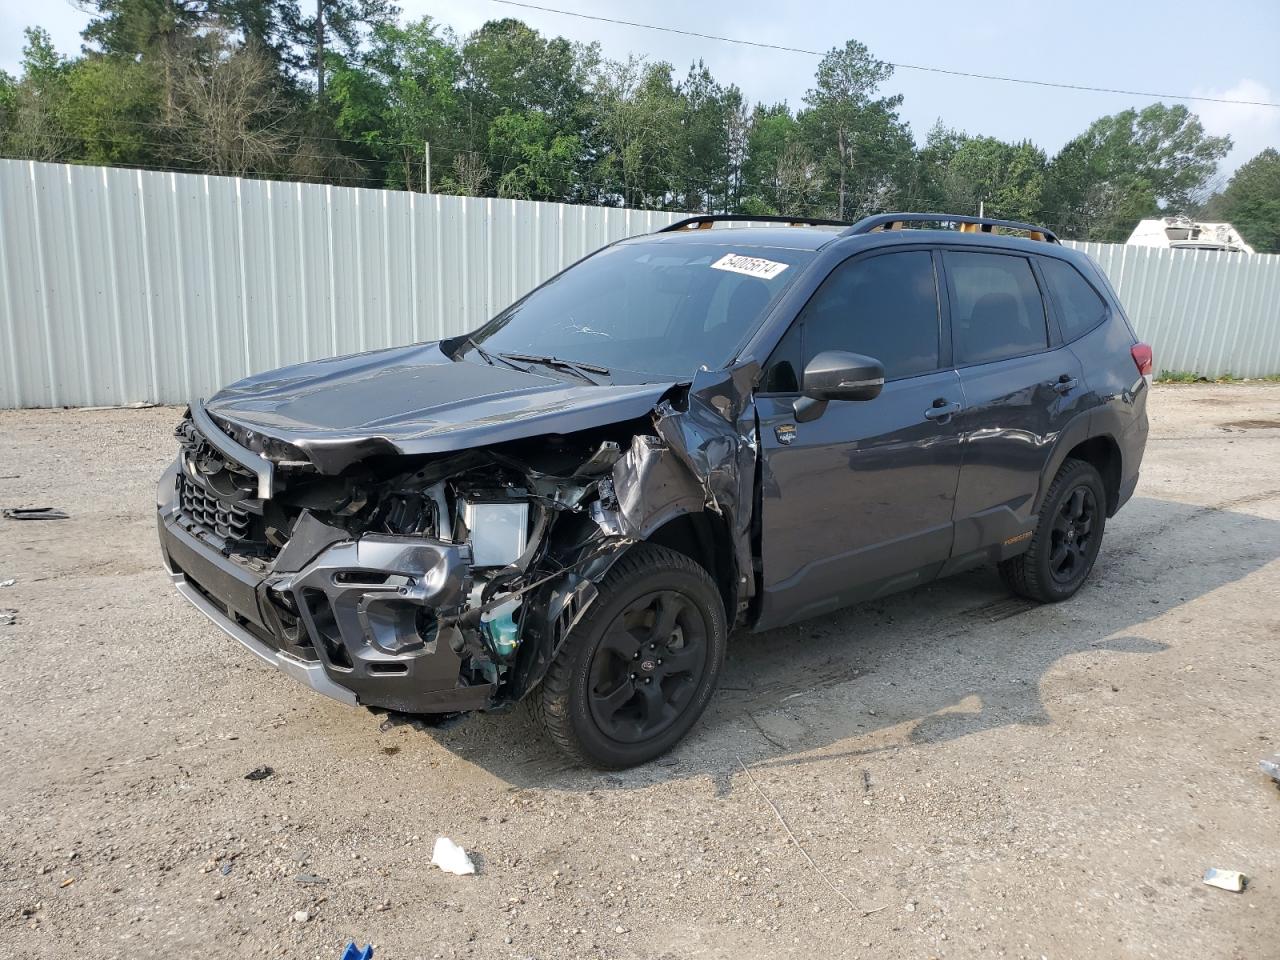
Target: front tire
point(1067, 537)
point(636, 673)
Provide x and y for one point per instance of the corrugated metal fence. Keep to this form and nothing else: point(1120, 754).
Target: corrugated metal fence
point(1202, 311)
point(129, 285)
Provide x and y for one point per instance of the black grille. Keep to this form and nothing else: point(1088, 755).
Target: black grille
point(210, 515)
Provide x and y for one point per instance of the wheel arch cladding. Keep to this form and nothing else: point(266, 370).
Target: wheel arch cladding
point(1082, 440)
point(1103, 453)
point(705, 538)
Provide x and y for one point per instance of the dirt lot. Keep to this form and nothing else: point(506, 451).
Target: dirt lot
point(975, 776)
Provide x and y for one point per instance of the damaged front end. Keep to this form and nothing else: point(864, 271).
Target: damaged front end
point(444, 582)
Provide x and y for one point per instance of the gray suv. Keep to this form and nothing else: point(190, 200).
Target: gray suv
point(717, 426)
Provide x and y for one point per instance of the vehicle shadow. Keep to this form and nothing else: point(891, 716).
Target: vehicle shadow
point(937, 663)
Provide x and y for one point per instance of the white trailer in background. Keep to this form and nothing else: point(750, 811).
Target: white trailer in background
point(1183, 233)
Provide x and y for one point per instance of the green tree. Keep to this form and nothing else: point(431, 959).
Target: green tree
point(35, 122)
point(771, 133)
point(331, 27)
point(400, 96)
point(1002, 179)
point(1130, 165)
point(862, 149)
point(710, 148)
point(637, 115)
point(1251, 201)
point(533, 160)
point(113, 109)
point(930, 185)
point(131, 28)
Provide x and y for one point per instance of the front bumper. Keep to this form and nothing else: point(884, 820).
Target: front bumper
point(355, 620)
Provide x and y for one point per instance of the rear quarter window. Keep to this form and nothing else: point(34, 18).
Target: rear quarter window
point(1080, 307)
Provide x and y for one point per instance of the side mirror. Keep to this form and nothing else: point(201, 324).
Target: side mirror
point(837, 375)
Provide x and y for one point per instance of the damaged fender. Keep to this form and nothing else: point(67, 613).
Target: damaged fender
point(699, 460)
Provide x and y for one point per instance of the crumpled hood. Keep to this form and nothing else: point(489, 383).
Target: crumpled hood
point(414, 400)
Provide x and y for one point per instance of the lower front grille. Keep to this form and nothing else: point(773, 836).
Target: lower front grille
point(210, 515)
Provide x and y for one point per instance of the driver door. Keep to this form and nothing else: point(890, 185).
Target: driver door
point(860, 501)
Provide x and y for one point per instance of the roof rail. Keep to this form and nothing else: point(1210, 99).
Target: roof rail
point(705, 221)
point(894, 221)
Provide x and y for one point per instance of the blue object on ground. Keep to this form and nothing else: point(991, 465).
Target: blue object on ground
point(355, 953)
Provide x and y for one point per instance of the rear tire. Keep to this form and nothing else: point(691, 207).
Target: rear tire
point(1067, 537)
point(636, 673)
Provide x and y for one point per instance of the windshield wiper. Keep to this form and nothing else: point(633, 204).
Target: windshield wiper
point(487, 357)
point(581, 370)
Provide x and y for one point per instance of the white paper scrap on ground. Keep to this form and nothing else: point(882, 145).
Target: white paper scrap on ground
point(1232, 880)
point(451, 858)
point(751, 266)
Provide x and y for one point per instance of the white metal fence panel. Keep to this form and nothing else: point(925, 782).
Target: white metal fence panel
point(1202, 311)
point(129, 285)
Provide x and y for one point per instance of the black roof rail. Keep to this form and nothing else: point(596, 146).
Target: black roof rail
point(703, 221)
point(891, 221)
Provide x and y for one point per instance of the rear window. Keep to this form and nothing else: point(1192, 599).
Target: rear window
point(1080, 308)
point(997, 311)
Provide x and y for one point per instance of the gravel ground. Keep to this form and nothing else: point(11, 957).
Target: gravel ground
point(970, 775)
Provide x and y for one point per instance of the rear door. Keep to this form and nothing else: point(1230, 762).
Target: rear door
point(859, 501)
point(1021, 387)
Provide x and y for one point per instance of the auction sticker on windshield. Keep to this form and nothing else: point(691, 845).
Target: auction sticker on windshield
point(751, 266)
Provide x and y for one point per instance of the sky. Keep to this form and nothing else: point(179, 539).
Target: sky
point(1163, 46)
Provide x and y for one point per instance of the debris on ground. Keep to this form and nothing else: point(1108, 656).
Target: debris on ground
point(8, 617)
point(352, 952)
point(8, 583)
point(34, 513)
point(226, 868)
point(136, 405)
point(451, 858)
point(1232, 880)
point(302, 916)
point(259, 773)
point(421, 722)
point(1270, 767)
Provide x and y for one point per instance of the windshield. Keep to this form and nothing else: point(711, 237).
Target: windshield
point(659, 310)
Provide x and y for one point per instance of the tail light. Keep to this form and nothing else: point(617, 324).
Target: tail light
point(1142, 358)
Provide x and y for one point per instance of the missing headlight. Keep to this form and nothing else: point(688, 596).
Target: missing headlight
point(498, 532)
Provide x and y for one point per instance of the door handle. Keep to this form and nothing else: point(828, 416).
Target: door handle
point(1066, 383)
point(942, 410)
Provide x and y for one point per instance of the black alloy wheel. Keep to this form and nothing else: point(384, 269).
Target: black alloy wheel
point(634, 675)
point(1070, 539)
point(647, 667)
point(1067, 537)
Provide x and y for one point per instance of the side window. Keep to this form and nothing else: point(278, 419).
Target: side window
point(884, 307)
point(1080, 308)
point(996, 310)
